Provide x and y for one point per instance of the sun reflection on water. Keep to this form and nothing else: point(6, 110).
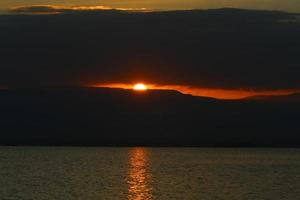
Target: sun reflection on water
point(138, 175)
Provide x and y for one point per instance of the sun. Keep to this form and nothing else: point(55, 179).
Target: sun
point(140, 87)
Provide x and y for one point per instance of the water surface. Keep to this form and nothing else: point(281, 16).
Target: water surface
point(44, 173)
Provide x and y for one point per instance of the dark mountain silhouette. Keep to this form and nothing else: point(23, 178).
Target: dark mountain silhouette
point(118, 117)
point(291, 98)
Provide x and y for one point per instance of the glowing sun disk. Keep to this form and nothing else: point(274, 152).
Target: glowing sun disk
point(140, 86)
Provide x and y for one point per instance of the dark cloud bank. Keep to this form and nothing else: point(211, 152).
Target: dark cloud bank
point(225, 48)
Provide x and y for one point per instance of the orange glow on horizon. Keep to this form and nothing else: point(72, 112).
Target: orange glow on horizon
point(206, 92)
point(56, 9)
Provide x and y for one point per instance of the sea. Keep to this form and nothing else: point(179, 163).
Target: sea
point(139, 173)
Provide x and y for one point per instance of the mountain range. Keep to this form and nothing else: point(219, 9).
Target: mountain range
point(82, 116)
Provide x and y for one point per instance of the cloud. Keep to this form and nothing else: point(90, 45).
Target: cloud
point(56, 9)
point(227, 49)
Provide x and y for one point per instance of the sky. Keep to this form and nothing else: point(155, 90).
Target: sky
point(284, 5)
point(226, 53)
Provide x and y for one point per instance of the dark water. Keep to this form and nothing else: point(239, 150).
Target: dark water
point(39, 173)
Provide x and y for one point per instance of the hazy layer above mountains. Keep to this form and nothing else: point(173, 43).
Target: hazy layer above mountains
point(286, 5)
